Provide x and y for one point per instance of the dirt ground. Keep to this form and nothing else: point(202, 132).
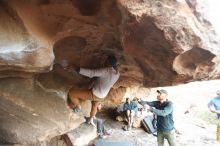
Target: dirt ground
point(196, 125)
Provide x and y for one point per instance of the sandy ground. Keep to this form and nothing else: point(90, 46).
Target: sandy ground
point(196, 126)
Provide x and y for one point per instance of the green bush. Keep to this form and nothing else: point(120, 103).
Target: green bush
point(208, 117)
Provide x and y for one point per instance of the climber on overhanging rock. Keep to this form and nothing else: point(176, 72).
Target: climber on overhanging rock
point(106, 78)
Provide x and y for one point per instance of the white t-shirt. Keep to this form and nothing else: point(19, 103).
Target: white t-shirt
point(106, 79)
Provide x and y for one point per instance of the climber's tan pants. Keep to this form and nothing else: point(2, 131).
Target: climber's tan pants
point(218, 131)
point(84, 94)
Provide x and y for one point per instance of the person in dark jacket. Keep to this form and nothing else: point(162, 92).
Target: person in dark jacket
point(163, 109)
point(129, 108)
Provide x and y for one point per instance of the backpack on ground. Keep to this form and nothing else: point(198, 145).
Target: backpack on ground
point(149, 124)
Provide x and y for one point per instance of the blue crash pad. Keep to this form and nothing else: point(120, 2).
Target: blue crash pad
point(112, 143)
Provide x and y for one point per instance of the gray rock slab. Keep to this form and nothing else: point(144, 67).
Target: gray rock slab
point(82, 135)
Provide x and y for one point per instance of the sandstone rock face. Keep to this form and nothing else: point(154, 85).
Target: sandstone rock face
point(168, 31)
point(31, 114)
point(158, 43)
point(19, 50)
point(148, 37)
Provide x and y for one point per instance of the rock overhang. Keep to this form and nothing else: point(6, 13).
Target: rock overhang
point(158, 43)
